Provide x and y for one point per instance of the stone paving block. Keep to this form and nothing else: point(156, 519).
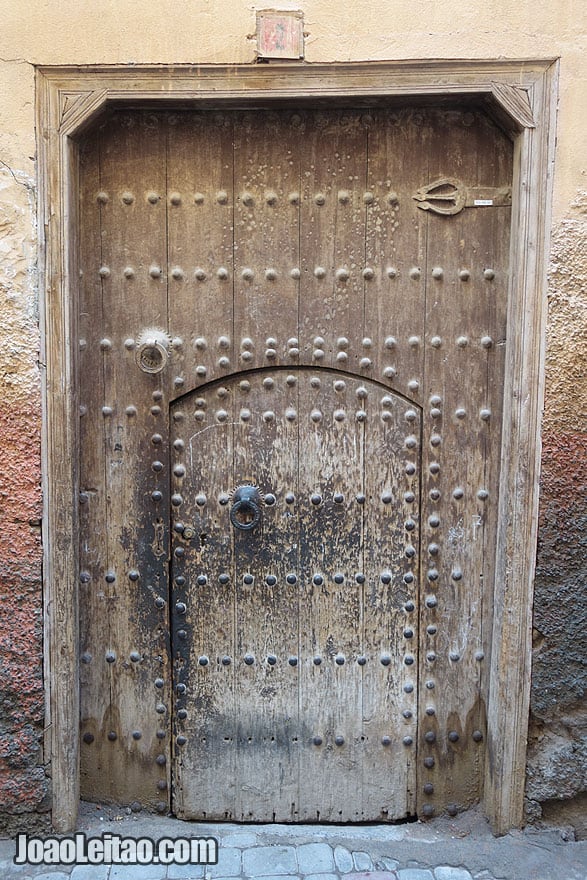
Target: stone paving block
point(321, 877)
point(390, 864)
point(138, 872)
point(314, 858)
point(185, 872)
point(414, 874)
point(362, 861)
point(371, 875)
point(229, 863)
point(265, 861)
point(276, 877)
point(343, 859)
point(47, 875)
point(90, 872)
point(240, 839)
point(449, 873)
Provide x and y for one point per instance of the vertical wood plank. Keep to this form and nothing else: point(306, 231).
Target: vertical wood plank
point(203, 608)
point(332, 258)
point(267, 606)
point(330, 510)
point(200, 217)
point(391, 550)
point(129, 649)
point(266, 238)
point(465, 321)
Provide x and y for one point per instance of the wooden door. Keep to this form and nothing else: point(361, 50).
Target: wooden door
point(312, 303)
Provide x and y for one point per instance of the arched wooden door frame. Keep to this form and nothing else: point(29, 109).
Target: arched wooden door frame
point(521, 96)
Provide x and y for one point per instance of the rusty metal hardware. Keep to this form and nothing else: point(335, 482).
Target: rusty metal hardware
point(449, 195)
point(245, 511)
point(152, 351)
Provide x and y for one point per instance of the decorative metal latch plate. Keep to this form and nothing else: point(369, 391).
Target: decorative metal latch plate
point(449, 195)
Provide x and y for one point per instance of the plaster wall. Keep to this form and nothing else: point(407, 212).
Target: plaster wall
point(213, 31)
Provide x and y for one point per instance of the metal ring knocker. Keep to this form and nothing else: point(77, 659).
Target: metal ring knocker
point(245, 512)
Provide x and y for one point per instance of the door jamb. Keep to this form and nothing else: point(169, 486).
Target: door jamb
point(521, 95)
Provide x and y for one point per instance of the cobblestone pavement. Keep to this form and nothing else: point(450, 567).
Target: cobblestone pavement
point(456, 849)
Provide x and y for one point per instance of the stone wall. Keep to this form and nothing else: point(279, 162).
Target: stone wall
point(557, 758)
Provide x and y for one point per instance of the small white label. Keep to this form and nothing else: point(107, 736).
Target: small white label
point(479, 203)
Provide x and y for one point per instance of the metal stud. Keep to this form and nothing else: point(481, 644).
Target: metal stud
point(155, 271)
point(226, 660)
point(295, 273)
point(489, 274)
point(430, 685)
point(415, 273)
point(361, 660)
point(460, 413)
point(320, 272)
point(485, 414)
point(413, 385)
point(102, 198)
point(88, 738)
point(409, 688)
point(342, 274)
point(407, 740)
point(477, 736)
point(392, 272)
point(431, 629)
point(222, 197)
point(436, 342)
point(458, 493)
point(110, 657)
point(410, 469)
point(437, 273)
point(431, 602)
point(368, 198)
point(199, 198)
point(317, 740)
point(342, 357)
point(294, 198)
point(340, 659)
point(339, 740)
point(428, 788)
point(128, 198)
point(293, 661)
point(464, 274)
point(435, 440)
point(368, 273)
point(462, 341)
point(429, 762)
point(271, 659)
